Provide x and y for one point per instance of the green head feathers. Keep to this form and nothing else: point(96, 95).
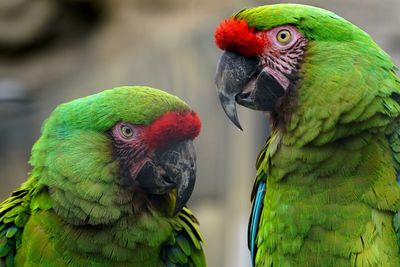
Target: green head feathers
point(315, 23)
point(99, 112)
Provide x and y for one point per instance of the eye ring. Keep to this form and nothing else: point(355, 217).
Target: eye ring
point(284, 37)
point(126, 131)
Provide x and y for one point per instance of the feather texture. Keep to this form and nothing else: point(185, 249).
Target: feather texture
point(73, 210)
point(332, 196)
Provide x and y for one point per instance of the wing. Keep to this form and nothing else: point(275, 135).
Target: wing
point(14, 213)
point(394, 141)
point(257, 198)
point(184, 249)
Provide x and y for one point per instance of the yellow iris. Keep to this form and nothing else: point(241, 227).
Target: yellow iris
point(284, 37)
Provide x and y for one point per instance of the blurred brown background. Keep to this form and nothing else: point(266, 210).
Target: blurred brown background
point(54, 51)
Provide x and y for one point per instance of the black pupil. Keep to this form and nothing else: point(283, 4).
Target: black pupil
point(283, 35)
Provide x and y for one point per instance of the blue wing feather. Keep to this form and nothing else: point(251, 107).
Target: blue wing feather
point(257, 197)
point(255, 218)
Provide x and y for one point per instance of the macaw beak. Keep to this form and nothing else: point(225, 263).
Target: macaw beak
point(174, 167)
point(242, 80)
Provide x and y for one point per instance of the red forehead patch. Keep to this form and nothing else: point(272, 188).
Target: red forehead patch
point(236, 36)
point(173, 126)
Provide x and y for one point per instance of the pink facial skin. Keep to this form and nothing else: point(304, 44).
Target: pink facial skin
point(134, 146)
point(136, 132)
point(271, 37)
point(280, 59)
point(135, 140)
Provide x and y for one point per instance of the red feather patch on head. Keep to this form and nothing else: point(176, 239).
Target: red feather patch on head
point(236, 36)
point(173, 126)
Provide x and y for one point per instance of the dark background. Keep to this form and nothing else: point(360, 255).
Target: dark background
point(54, 51)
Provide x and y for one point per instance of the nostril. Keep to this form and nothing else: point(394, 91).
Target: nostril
point(168, 179)
point(243, 95)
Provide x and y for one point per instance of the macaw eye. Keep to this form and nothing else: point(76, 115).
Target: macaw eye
point(126, 131)
point(284, 37)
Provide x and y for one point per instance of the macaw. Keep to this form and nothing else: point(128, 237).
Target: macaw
point(111, 173)
point(326, 190)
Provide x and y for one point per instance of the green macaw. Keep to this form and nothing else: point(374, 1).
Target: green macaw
point(111, 175)
point(326, 190)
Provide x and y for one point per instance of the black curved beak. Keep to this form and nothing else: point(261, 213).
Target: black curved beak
point(242, 80)
point(173, 168)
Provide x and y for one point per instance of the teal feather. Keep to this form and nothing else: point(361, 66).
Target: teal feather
point(254, 219)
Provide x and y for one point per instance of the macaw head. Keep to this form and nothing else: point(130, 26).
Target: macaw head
point(124, 150)
point(312, 71)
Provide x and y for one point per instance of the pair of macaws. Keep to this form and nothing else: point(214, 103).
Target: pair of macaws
point(112, 171)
